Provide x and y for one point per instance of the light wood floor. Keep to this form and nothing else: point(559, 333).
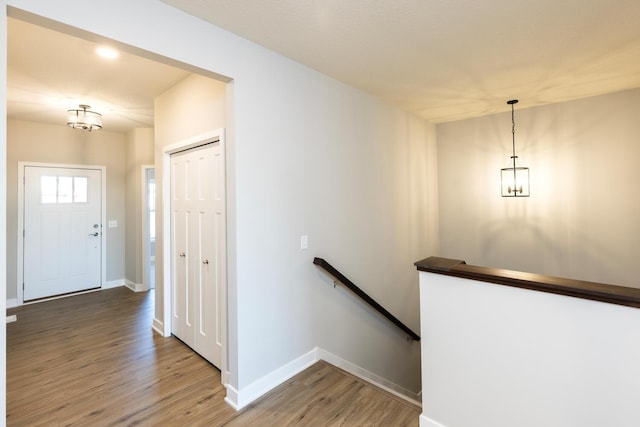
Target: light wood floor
point(93, 360)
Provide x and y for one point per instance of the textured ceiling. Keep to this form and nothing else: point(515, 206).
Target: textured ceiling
point(444, 60)
point(448, 60)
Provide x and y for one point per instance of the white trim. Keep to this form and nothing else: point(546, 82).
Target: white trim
point(103, 219)
point(232, 397)
point(144, 234)
point(428, 422)
point(370, 377)
point(167, 151)
point(195, 141)
point(238, 399)
point(158, 327)
point(113, 284)
point(224, 377)
point(165, 246)
point(253, 391)
point(12, 302)
point(135, 287)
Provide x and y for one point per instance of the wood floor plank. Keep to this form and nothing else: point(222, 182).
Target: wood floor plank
point(93, 360)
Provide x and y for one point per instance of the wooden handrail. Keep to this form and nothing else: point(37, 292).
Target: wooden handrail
point(602, 292)
point(320, 262)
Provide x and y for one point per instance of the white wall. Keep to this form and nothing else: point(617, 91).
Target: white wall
point(498, 356)
point(305, 155)
point(138, 152)
point(37, 142)
point(581, 220)
point(3, 222)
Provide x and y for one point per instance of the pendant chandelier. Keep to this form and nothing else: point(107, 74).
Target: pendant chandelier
point(515, 179)
point(84, 119)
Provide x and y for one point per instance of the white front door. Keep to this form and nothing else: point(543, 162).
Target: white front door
point(198, 248)
point(62, 230)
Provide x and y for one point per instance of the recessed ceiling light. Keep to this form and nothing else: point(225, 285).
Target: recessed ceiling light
point(107, 52)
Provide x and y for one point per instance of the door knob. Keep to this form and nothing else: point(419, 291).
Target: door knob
point(182, 254)
point(96, 234)
point(206, 261)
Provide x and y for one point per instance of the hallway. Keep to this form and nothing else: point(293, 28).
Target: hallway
point(93, 359)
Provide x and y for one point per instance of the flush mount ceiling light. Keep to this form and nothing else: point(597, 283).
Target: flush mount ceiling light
point(515, 179)
point(107, 52)
point(84, 119)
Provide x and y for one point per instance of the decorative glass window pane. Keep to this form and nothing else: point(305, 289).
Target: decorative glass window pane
point(65, 189)
point(80, 189)
point(49, 189)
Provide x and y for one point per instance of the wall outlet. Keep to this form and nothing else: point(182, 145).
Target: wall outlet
point(304, 242)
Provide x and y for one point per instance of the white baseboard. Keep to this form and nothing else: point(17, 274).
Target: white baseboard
point(232, 397)
point(224, 378)
point(238, 399)
point(135, 287)
point(428, 422)
point(113, 284)
point(129, 284)
point(370, 377)
point(158, 326)
point(12, 302)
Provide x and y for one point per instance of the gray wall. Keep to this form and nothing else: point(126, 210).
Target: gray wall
point(305, 155)
point(581, 220)
point(139, 151)
point(36, 142)
point(192, 107)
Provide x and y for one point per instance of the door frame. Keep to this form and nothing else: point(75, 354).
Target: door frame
point(196, 141)
point(146, 250)
point(103, 219)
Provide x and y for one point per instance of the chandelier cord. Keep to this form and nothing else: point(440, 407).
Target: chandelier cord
point(513, 134)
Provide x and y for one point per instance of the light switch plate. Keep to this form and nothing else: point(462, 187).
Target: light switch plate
point(304, 242)
point(113, 223)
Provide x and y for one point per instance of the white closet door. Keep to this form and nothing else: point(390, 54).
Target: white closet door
point(198, 248)
point(182, 310)
point(62, 230)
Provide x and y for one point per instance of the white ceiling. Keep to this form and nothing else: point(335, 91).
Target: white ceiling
point(441, 59)
point(49, 72)
point(449, 59)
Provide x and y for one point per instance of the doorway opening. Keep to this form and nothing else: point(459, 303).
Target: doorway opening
point(149, 226)
point(148, 260)
point(214, 263)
